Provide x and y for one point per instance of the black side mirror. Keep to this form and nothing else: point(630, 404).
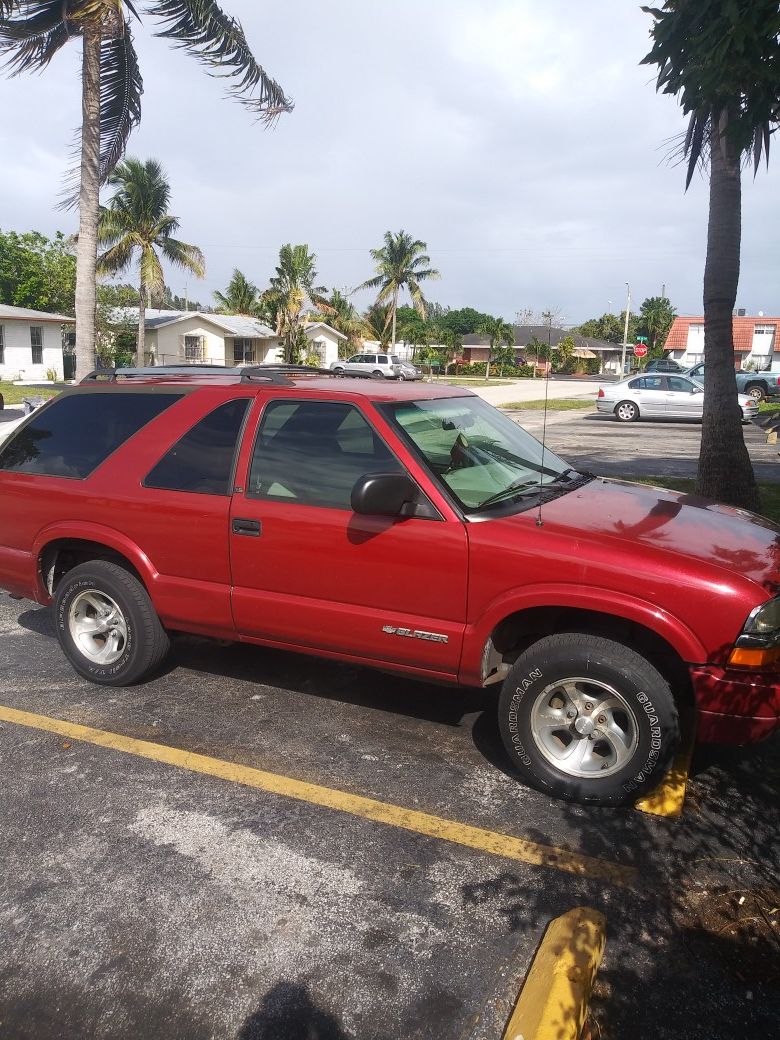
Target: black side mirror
point(386, 494)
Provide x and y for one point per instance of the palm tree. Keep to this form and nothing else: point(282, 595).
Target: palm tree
point(241, 297)
point(498, 332)
point(378, 318)
point(31, 33)
point(656, 316)
point(136, 225)
point(292, 289)
point(400, 263)
point(721, 59)
point(341, 314)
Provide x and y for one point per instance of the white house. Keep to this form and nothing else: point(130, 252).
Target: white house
point(30, 343)
point(325, 341)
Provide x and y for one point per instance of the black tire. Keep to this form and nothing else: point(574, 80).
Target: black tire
point(756, 391)
point(339, 371)
point(377, 374)
point(401, 377)
point(626, 411)
point(140, 641)
point(537, 719)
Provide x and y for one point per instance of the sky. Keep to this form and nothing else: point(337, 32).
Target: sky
point(522, 142)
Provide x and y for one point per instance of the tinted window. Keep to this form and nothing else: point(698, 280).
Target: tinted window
point(647, 383)
point(202, 460)
point(74, 434)
point(382, 359)
point(312, 453)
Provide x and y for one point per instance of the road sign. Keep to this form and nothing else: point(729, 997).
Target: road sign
point(640, 350)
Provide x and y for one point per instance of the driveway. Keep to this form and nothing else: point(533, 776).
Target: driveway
point(534, 390)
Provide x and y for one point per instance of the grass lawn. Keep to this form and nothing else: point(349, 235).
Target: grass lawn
point(554, 404)
point(16, 394)
point(770, 493)
point(772, 404)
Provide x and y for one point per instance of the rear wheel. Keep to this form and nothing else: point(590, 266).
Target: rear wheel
point(626, 411)
point(377, 374)
point(106, 624)
point(756, 391)
point(588, 719)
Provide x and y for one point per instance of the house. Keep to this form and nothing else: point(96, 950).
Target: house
point(324, 341)
point(31, 343)
point(756, 341)
point(194, 337)
point(476, 346)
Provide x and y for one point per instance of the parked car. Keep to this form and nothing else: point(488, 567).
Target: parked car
point(416, 529)
point(408, 371)
point(365, 364)
point(658, 396)
point(758, 385)
point(663, 365)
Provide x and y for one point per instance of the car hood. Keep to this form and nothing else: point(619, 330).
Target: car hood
point(654, 519)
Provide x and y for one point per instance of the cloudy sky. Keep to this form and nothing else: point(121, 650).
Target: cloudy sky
point(523, 142)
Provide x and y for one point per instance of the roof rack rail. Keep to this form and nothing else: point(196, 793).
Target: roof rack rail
point(100, 375)
point(277, 374)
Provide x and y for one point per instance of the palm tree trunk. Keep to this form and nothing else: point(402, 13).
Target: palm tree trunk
point(487, 365)
point(725, 472)
point(89, 201)
point(140, 348)
point(395, 308)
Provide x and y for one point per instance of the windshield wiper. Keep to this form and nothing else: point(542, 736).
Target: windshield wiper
point(521, 488)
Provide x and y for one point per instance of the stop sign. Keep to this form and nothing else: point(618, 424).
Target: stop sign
point(640, 350)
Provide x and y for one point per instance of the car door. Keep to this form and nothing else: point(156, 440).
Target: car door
point(649, 394)
point(684, 400)
point(310, 573)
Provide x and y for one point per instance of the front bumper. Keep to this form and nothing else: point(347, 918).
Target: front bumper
point(735, 707)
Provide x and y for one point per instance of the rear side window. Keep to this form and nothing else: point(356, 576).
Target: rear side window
point(202, 460)
point(74, 434)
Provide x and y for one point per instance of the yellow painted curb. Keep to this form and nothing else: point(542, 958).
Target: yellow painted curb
point(669, 797)
point(554, 999)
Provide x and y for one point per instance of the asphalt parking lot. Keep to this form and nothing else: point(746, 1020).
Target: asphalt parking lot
point(146, 898)
point(600, 444)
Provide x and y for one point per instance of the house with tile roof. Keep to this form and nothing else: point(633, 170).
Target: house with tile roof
point(476, 346)
point(756, 342)
point(31, 343)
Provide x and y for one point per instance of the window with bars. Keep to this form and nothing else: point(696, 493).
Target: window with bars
point(36, 344)
point(193, 348)
point(244, 352)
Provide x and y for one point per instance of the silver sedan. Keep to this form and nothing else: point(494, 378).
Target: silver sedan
point(660, 396)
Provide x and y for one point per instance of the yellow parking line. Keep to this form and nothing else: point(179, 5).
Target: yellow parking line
point(494, 843)
point(669, 797)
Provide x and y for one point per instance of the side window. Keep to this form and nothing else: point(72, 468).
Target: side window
point(382, 359)
point(637, 384)
point(202, 460)
point(313, 452)
point(75, 433)
point(680, 385)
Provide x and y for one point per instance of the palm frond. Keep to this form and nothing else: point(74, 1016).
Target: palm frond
point(121, 87)
point(152, 276)
point(183, 255)
point(30, 43)
point(217, 40)
point(116, 259)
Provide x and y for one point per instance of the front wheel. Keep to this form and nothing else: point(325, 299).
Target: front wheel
point(339, 371)
point(106, 624)
point(626, 411)
point(588, 719)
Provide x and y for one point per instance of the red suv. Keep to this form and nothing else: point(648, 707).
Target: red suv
point(409, 527)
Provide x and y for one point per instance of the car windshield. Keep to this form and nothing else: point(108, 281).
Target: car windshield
point(482, 457)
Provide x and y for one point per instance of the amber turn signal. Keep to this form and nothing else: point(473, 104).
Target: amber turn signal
point(754, 657)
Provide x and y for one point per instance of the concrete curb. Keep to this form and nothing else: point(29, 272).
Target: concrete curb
point(553, 1002)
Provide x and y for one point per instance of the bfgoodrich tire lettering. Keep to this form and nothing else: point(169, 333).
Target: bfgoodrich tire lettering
point(588, 719)
point(121, 609)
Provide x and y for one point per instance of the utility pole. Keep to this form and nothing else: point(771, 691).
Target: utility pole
point(625, 334)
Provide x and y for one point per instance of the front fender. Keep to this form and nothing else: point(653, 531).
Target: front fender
point(579, 597)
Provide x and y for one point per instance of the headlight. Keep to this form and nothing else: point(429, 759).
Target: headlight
point(764, 620)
